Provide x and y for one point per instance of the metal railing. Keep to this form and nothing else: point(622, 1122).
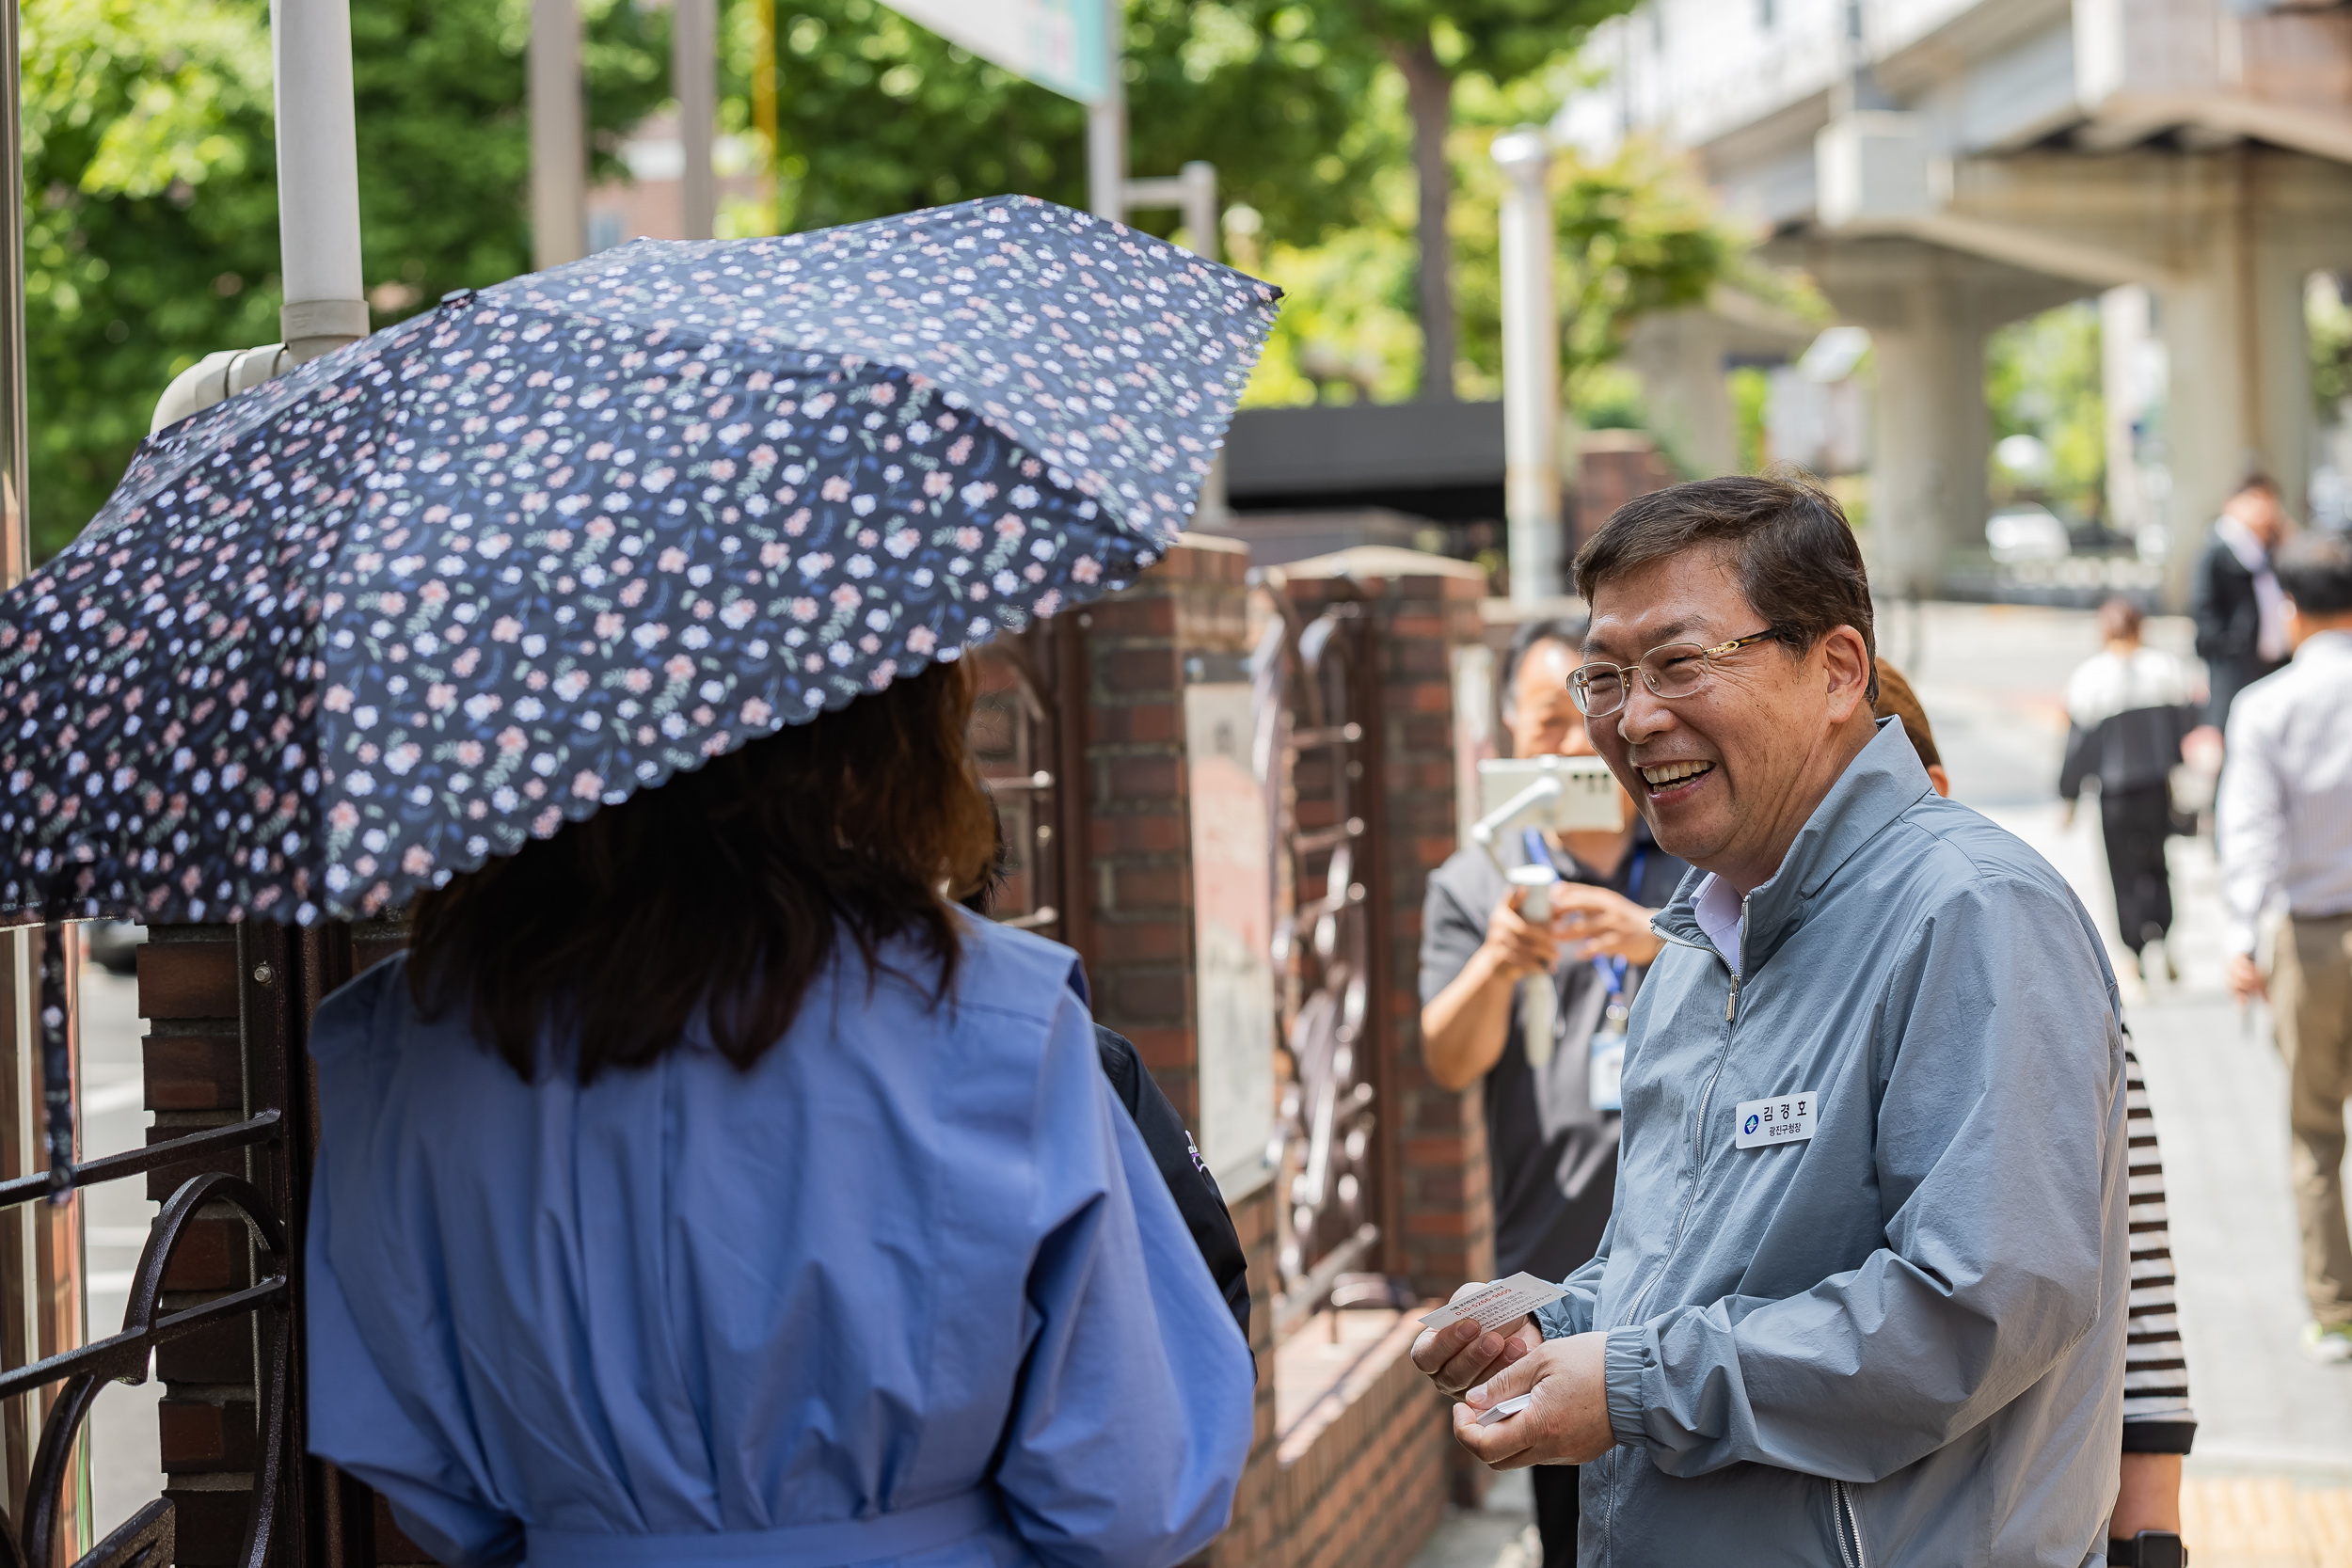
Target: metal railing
point(1316, 745)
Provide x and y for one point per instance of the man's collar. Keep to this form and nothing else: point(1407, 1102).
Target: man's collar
point(1884, 780)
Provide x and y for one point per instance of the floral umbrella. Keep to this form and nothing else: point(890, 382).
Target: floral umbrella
point(430, 596)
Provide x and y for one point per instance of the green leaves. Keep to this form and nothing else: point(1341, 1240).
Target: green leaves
point(152, 201)
point(878, 114)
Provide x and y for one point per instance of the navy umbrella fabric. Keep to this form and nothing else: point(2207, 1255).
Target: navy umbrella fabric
point(435, 595)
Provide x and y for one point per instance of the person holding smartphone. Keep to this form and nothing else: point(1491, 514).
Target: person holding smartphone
point(1535, 1008)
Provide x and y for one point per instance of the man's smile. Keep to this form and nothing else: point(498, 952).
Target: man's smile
point(1670, 779)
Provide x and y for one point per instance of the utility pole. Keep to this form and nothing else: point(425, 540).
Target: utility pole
point(1530, 368)
point(695, 75)
point(559, 136)
point(1107, 121)
point(318, 178)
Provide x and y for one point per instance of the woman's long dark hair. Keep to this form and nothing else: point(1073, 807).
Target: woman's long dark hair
point(729, 886)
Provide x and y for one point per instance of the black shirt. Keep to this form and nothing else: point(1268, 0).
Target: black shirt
point(1554, 1158)
point(1180, 1166)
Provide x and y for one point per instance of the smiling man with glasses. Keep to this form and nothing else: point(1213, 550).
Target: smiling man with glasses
point(1863, 1300)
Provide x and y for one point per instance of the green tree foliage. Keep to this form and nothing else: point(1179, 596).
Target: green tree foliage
point(2042, 379)
point(1637, 233)
point(1434, 43)
point(878, 114)
point(151, 202)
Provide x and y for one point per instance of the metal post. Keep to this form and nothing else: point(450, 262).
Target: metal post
point(16, 524)
point(43, 1304)
point(764, 116)
point(1202, 220)
point(695, 75)
point(559, 136)
point(318, 176)
point(1530, 368)
point(1106, 123)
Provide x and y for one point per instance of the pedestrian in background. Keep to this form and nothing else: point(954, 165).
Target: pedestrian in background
point(1551, 1142)
point(2159, 1424)
point(704, 1185)
point(2128, 708)
point(2234, 595)
point(2285, 820)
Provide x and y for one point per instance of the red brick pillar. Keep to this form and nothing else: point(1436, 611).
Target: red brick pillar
point(1441, 1219)
point(1187, 621)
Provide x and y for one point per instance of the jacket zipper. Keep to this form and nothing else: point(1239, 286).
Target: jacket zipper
point(1698, 1145)
point(1849, 1524)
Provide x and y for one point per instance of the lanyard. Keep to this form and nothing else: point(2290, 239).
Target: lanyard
point(1612, 971)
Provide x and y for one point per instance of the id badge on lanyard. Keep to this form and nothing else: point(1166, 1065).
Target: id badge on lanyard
point(1605, 1082)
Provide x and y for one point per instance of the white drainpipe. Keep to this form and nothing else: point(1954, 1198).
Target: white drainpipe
point(318, 212)
point(1530, 369)
point(318, 178)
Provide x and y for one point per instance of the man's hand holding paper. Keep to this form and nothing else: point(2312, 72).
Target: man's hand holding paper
point(1484, 1328)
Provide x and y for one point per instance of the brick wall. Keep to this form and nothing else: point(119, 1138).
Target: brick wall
point(1612, 468)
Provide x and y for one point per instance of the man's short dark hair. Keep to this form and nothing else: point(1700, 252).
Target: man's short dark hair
point(1795, 553)
point(2316, 571)
point(1566, 630)
point(2254, 479)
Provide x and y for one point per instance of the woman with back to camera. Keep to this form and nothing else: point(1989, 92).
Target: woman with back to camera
point(705, 1186)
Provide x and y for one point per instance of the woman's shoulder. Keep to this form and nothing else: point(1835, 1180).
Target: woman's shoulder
point(1015, 972)
point(363, 1009)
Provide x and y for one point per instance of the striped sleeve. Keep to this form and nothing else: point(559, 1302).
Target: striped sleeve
point(2156, 1413)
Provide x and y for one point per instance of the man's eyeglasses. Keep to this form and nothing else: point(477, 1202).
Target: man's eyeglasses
point(1673, 670)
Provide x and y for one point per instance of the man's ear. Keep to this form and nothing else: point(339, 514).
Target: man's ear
point(1846, 662)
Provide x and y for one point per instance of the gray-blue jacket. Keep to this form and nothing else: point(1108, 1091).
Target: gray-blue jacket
point(1899, 1342)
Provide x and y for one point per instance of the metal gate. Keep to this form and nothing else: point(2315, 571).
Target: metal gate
point(1319, 738)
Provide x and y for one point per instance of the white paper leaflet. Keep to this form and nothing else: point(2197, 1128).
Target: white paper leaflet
point(1498, 1305)
point(1503, 1412)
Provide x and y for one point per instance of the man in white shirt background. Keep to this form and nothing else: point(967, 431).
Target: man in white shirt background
point(2285, 826)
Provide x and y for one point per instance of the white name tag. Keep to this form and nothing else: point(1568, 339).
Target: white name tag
point(1788, 1119)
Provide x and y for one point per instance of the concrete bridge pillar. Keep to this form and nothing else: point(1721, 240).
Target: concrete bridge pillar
point(2238, 389)
point(1932, 441)
point(1680, 356)
point(1929, 308)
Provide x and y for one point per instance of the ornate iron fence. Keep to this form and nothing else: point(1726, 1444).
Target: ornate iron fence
point(1316, 745)
point(1028, 738)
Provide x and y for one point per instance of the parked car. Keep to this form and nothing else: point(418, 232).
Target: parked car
point(2018, 533)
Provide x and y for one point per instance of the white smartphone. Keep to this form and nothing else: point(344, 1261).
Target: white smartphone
point(1589, 799)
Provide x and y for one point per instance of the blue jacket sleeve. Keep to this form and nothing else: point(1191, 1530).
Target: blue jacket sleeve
point(357, 1423)
point(2000, 1167)
point(1572, 1314)
point(1135, 1407)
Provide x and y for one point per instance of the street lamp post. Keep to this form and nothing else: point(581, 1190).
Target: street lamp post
point(559, 136)
point(1106, 123)
point(694, 69)
point(318, 178)
point(1530, 368)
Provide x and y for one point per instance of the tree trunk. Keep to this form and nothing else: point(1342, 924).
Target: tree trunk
point(1429, 91)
